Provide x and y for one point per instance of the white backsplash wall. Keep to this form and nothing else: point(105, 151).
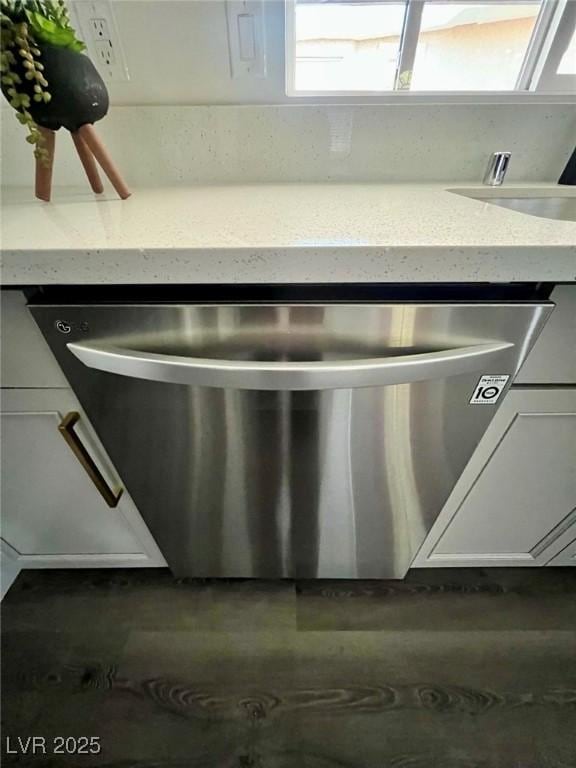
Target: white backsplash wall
point(182, 118)
point(177, 53)
point(242, 144)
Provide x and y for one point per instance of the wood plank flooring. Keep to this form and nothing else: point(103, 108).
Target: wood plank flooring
point(448, 669)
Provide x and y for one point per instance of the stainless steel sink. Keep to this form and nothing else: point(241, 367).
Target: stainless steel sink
point(550, 205)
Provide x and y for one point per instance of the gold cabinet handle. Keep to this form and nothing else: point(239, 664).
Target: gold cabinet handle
point(66, 429)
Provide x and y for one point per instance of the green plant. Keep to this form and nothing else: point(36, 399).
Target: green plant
point(24, 26)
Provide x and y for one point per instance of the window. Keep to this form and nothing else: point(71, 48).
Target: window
point(346, 47)
point(464, 47)
point(568, 61)
point(430, 46)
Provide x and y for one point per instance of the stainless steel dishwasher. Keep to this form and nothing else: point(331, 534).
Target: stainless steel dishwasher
point(290, 439)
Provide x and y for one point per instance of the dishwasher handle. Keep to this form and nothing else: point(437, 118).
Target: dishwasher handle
point(342, 374)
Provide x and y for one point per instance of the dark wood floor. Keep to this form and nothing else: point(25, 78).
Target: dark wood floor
point(450, 669)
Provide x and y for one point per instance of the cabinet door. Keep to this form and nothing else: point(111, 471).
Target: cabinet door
point(52, 512)
point(515, 501)
point(26, 359)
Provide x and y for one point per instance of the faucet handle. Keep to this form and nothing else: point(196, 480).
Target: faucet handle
point(497, 167)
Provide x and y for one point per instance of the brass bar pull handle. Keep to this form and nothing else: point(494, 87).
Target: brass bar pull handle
point(66, 429)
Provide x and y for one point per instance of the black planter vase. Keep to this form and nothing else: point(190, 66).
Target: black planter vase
point(79, 98)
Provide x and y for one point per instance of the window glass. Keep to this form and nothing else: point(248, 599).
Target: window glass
point(568, 62)
point(347, 47)
point(472, 47)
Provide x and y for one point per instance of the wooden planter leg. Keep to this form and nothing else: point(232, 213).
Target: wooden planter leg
point(44, 166)
point(88, 162)
point(90, 138)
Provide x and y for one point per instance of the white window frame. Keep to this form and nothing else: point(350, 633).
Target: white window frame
point(551, 34)
point(545, 75)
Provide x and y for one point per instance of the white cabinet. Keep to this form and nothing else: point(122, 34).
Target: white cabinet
point(515, 503)
point(9, 568)
point(567, 556)
point(553, 358)
point(26, 359)
point(53, 514)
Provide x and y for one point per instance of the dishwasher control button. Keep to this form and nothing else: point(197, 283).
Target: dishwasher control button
point(62, 326)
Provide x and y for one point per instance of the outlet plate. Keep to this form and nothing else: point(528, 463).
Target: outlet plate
point(97, 27)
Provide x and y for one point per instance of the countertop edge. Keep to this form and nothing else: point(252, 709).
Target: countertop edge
point(291, 264)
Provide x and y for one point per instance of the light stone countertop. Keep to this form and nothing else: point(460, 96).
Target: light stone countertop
point(280, 233)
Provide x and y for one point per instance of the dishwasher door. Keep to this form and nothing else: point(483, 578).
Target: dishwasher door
point(293, 440)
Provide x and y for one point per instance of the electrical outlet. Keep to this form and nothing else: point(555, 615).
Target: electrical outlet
point(105, 54)
point(97, 28)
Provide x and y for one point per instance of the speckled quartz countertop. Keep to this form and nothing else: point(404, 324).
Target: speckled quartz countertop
point(279, 233)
